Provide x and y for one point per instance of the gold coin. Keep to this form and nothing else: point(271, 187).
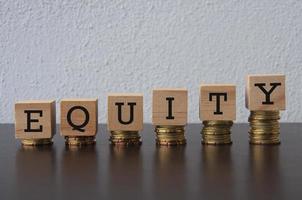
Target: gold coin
point(125, 138)
point(264, 127)
point(36, 142)
point(79, 140)
point(170, 135)
point(216, 132)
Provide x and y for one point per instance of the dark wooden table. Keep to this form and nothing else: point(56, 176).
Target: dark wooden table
point(240, 171)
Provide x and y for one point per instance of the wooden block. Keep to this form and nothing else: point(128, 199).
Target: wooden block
point(265, 92)
point(217, 102)
point(79, 117)
point(35, 119)
point(170, 106)
point(125, 112)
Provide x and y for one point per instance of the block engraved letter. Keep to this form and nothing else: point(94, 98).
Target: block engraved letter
point(267, 93)
point(170, 100)
point(119, 107)
point(218, 95)
point(30, 120)
point(85, 122)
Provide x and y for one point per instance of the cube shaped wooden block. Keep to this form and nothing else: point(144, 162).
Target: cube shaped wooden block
point(265, 92)
point(35, 119)
point(170, 106)
point(79, 117)
point(125, 112)
point(217, 102)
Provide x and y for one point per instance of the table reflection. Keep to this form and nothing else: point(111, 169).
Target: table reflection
point(125, 171)
point(79, 172)
point(169, 177)
point(265, 173)
point(216, 173)
point(35, 171)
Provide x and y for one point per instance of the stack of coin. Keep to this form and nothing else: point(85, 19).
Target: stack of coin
point(170, 135)
point(216, 132)
point(125, 138)
point(79, 140)
point(36, 142)
point(264, 127)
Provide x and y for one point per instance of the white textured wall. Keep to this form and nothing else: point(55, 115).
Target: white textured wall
point(57, 49)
